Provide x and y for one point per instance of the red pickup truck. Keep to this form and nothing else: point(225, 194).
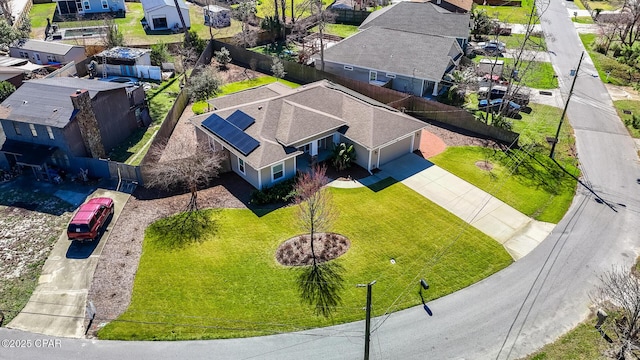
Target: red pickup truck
point(90, 219)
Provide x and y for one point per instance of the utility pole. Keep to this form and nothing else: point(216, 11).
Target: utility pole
point(566, 105)
point(367, 326)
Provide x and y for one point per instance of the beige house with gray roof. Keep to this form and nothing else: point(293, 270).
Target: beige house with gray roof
point(46, 52)
point(271, 132)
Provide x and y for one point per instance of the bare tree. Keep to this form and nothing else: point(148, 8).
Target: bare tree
point(277, 68)
point(619, 292)
point(5, 6)
point(246, 12)
point(184, 164)
point(184, 25)
point(322, 17)
point(316, 212)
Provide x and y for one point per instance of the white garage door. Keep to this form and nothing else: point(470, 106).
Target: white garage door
point(395, 150)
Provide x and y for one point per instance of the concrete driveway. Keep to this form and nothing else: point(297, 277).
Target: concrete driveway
point(57, 306)
point(518, 233)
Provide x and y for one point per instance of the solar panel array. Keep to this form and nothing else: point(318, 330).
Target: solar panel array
point(231, 134)
point(241, 120)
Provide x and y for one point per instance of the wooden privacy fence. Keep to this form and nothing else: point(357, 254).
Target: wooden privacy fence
point(417, 106)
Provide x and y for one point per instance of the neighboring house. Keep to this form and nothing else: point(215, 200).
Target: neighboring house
point(413, 55)
point(421, 18)
point(11, 75)
point(456, 6)
point(162, 14)
point(408, 62)
point(271, 132)
point(126, 56)
point(216, 16)
point(81, 7)
point(46, 52)
point(60, 121)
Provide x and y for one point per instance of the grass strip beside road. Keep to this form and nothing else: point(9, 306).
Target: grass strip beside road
point(230, 284)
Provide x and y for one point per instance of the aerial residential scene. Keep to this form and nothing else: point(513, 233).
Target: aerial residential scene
point(307, 179)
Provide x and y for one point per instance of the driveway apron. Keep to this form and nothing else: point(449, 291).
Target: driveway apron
point(518, 233)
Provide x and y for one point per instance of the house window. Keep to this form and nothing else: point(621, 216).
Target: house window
point(277, 171)
point(105, 4)
point(33, 130)
point(16, 128)
point(51, 58)
point(347, 67)
point(393, 76)
point(86, 5)
point(160, 23)
point(241, 165)
point(305, 148)
point(24, 55)
point(50, 132)
point(373, 75)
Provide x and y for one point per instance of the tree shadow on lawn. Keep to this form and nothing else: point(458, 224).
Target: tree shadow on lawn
point(320, 286)
point(186, 228)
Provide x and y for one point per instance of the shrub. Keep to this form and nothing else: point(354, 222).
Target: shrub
point(223, 57)
point(279, 193)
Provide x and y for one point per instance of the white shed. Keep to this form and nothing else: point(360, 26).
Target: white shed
point(217, 16)
point(162, 14)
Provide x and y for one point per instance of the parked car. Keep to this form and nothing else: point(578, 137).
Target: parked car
point(521, 97)
point(492, 47)
point(494, 106)
point(90, 219)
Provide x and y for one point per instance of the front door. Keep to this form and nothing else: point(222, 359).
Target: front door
point(373, 75)
point(36, 57)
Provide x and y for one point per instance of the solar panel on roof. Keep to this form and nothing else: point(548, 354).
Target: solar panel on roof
point(231, 134)
point(241, 120)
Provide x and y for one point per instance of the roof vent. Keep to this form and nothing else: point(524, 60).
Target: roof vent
point(78, 91)
point(24, 102)
point(260, 107)
point(54, 110)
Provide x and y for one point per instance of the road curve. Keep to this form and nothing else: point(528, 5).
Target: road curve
point(505, 316)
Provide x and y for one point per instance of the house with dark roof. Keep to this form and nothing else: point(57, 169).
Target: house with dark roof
point(271, 132)
point(46, 52)
point(60, 121)
point(411, 55)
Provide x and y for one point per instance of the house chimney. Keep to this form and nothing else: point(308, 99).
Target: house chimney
point(88, 124)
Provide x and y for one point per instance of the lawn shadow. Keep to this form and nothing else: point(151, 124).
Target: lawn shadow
point(83, 249)
point(380, 185)
point(183, 229)
point(320, 286)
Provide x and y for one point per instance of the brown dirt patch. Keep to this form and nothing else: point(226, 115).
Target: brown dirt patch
point(297, 251)
point(484, 165)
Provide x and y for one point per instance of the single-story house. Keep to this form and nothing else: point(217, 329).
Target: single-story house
point(269, 133)
point(58, 121)
point(162, 14)
point(455, 6)
point(120, 55)
point(47, 52)
point(217, 16)
point(81, 7)
point(421, 18)
point(409, 62)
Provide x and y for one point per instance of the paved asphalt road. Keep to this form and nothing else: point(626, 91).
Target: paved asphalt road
point(508, 315)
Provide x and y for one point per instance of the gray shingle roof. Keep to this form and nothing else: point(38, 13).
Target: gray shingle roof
point(48, 101)
point(308, 111)
point(418, 17)
point(48, 47)
point(401, 52)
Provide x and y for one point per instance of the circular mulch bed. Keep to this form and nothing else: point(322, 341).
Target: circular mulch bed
point(484, 165)
point(297, 250)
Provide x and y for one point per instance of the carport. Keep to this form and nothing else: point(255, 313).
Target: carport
point(31, 155)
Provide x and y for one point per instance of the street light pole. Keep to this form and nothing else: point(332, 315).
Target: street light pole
point(566, 105)
point(367, 326)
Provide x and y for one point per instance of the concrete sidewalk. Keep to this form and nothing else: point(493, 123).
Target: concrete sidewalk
point(518, 233)
point(57, 305)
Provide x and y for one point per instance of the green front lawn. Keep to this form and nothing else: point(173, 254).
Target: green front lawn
point(582, 19)
point(632, 106)
point(230, 285)
point(39, 14)
point(509, 14)
point(514, 41)
point(609, 69)
point(582, 343)
point(537, 187)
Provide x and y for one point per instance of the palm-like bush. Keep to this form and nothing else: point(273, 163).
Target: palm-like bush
point(343, 155)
